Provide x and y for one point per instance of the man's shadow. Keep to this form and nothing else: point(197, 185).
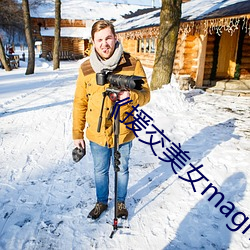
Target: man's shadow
point(204, 227)
point(208, 138)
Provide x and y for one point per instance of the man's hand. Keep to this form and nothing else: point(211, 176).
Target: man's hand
point(79, 143)
point(123, 94)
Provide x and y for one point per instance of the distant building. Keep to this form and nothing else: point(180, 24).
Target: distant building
point(75, 36)
point(77, 19)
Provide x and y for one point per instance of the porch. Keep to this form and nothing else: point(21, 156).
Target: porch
point(231, 87)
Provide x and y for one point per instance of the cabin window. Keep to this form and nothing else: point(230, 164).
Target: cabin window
point(152, 45)
point(140, 45)
point(146, 45)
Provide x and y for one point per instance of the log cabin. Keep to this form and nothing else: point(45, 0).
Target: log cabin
point(74, 37)
point(213, 41)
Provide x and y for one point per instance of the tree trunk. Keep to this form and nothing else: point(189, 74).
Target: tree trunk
point(28, 33)
point(168, 34)
point(3, 57)
point(56, 59)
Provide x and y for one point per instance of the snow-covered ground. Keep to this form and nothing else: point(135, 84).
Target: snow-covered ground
point(45, 197)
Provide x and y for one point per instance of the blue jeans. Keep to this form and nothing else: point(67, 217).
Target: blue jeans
point(102, 158)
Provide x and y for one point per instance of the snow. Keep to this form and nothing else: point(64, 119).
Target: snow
point(155, 3)
point(84, 33)
point(197, 9)
point(145, 20)
point(86, 10)
point(45, 196)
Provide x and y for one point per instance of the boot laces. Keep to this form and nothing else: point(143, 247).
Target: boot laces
point(121, 206)
point(97, 208)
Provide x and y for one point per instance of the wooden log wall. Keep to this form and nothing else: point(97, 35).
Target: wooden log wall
point(66, 44)
point(185, 59)
point(73, 45)
point(47, 45)
point(190, 56)
point(50, 22)
point(186, 55)
point(178, 61)
point(79, 46)
point(131, 46)
point(146, 59)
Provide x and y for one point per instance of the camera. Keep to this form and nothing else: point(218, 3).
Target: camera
point(119, 81)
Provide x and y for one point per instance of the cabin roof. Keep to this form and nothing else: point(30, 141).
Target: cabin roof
point(140, 21)
point(208, 9)
point(193, 10)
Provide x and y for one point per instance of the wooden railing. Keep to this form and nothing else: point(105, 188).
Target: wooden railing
point(64, 55)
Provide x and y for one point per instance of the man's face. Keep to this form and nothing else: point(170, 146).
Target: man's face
point(104, 42)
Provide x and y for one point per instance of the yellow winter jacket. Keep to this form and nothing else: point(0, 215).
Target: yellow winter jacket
point(88, 101)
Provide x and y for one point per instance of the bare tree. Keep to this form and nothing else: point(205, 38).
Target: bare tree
point(11, 17)
point(168, 34)
point(56, 59)
point(11, 24)
point(3, 57)
point(28, 33)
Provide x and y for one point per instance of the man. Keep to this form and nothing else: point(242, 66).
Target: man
point(107, 54)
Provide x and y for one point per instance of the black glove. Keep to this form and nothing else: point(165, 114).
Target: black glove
point(78, 153)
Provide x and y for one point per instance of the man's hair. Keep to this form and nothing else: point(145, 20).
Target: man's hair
point(101, 24)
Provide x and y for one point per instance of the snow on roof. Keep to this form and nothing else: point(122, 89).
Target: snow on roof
point(197, 9)
point(80, 32)
point(192, 10)
point(145, 20)
point(85, 10)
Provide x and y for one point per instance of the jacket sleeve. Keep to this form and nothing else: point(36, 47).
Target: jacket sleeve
point(142, 96)
point(80, 105)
